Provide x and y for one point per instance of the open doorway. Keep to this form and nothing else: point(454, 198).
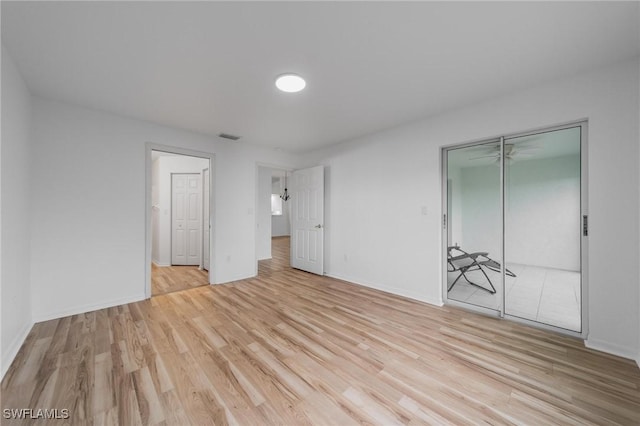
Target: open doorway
point(273, 227)
point(179, 241)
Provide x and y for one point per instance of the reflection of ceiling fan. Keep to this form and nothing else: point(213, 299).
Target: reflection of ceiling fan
point(511, 152)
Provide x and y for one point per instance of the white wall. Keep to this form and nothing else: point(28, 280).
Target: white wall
point(480, 210)
point(88, 244)
point(166, 165)
point(15, 212)
point(377, 186)
point(542, 208)
point(263, 206)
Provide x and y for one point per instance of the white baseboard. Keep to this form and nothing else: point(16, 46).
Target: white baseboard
point(160, 265)
point(611, 348)
point(9, 354)
point(393, 290)
point(229, 280)
point(46, 316)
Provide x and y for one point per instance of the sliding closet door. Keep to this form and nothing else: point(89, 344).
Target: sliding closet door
point(543, 227)
point(474, 225)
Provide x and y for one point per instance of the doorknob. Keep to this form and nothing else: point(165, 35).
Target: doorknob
point(318, 226)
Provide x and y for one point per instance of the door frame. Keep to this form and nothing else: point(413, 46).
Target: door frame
point(149, 147)
point(584, 240)
point(203, 217)
point(257, 190)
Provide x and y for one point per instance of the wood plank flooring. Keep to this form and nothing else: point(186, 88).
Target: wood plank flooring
point(280, 260)
point(167, 279)
point(293, 348)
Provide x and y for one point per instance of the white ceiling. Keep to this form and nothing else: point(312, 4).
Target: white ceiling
point(210, 67)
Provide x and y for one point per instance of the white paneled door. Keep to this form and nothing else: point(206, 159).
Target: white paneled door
point(307, 223)
point(206, 220)
point(186, 220)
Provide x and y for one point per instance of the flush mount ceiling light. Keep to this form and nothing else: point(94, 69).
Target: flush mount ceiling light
point(290, 83)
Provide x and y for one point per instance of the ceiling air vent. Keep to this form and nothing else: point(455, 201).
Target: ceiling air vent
point(228, 136)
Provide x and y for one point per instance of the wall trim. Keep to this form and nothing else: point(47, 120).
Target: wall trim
point(388, 289)
point(237, 278)
point(612, 348)
point(90, 307)
point(11, 352)
point(160, 265)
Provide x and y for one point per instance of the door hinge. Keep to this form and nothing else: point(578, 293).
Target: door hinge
point(444, 221)
point(585, 225)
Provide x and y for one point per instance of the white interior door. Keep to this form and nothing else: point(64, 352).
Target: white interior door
point(307, 223)
point(206, 224)
point(185, 219)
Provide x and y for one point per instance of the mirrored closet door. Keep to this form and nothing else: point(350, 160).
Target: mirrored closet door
point(474, 225)
point(515, 227)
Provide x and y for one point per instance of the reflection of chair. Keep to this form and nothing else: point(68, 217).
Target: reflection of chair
point(464, 262)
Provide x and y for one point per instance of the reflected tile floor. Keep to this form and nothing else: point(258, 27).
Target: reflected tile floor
point(549, 296)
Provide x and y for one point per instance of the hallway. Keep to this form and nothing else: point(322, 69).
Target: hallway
point(280, 258)
point(167, 279)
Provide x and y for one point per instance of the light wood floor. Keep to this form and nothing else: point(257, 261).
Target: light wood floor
point(280, 261)
point(293, 348)
point(167, 279)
